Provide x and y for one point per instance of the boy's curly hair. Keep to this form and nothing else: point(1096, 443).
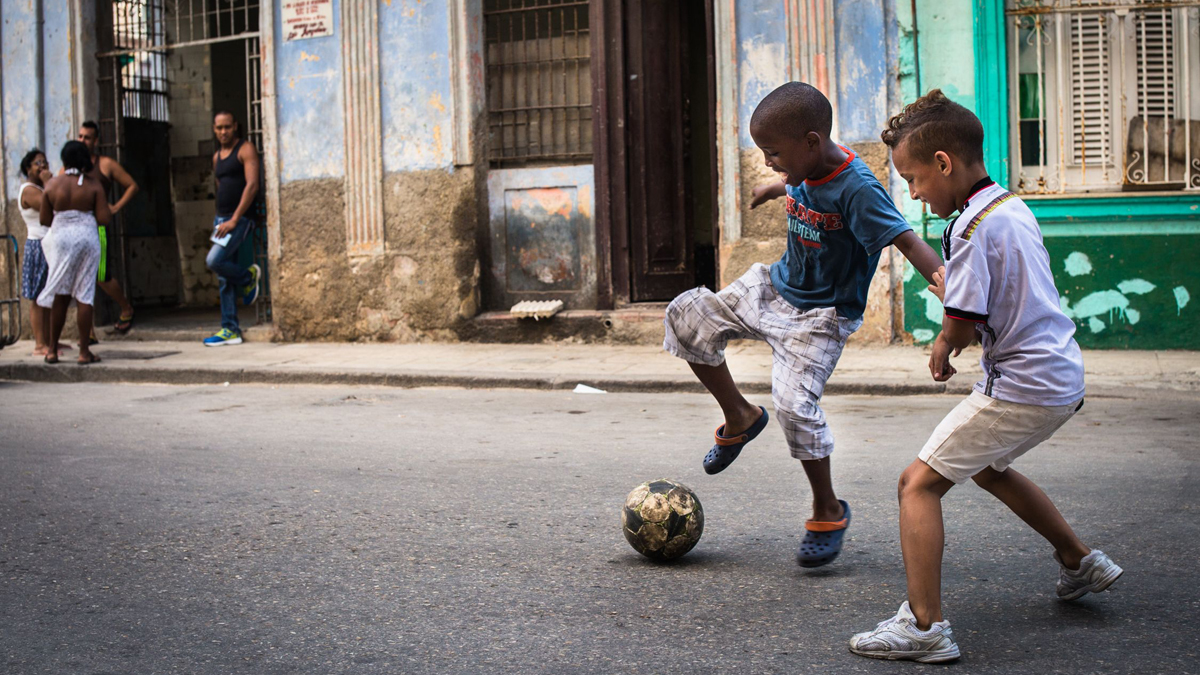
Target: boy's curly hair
point(932, 123)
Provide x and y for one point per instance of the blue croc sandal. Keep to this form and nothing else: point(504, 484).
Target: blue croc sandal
point(822, 541)
point(727, 449)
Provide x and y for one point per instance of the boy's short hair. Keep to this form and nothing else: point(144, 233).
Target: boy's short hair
point(932, 123)
point(91, 125)
point(797, 108)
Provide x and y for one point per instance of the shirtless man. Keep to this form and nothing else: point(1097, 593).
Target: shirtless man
point(109, 170)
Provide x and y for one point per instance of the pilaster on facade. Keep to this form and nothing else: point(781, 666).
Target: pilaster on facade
point(364, 128)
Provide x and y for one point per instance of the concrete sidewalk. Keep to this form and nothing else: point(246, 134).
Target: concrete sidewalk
point(862, 370)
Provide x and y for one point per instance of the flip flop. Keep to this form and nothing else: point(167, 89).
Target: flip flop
point(822, 540)
point(727, 449)
point(91, 358)
point(123, 324)
point(50, 360)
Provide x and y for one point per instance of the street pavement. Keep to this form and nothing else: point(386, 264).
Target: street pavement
point(352, 529)
point(862, 369)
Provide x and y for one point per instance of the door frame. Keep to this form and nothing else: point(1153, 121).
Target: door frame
point(93, 51)
point(611, 159)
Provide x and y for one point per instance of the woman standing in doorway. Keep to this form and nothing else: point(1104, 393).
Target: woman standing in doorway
point(34, 270)
point(73, 206)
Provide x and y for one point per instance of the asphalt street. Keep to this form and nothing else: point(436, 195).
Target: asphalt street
point(309, 529)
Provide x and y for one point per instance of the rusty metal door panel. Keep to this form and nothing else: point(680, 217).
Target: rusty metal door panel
point(542, 231)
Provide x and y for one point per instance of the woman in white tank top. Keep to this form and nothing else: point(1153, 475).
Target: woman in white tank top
point(34, 269)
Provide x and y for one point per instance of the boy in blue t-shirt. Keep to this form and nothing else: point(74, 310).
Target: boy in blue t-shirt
point(805, 305)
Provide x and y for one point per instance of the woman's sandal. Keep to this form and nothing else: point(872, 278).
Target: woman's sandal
point(822, 540)
point(50, 359)
point(123, 324)
point(727, 449)
point(88, 360)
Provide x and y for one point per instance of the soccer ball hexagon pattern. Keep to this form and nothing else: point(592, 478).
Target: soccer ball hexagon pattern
point(662, 519)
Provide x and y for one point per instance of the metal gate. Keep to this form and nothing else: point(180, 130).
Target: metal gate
point(135, 38)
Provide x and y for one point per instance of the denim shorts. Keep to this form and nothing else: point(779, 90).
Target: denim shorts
point(34, 270)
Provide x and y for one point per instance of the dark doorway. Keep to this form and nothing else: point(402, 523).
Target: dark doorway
point(655, 165)
point(166, 66)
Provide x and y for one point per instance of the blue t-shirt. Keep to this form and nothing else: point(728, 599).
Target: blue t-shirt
point(836, 228)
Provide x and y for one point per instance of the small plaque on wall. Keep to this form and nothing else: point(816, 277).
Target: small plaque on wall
point(304, 19)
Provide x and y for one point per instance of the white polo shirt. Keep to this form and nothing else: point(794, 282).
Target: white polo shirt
point(998, 275)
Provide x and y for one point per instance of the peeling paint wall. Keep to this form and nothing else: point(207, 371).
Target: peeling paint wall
point(58, 96)
point(22, 101)
point(423, 283)
point(416, 86)
point(1127, 280)
point(311, 131)
point(422, 288)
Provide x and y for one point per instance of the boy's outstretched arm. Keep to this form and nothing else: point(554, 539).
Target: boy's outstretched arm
point(919, 254)
point(766, 192)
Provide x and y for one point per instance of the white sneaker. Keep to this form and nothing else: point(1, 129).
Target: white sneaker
point(898, 638)
point(1096, 573)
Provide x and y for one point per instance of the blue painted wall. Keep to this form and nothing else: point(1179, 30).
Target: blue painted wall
point(309, 96)
point(861, 63)
point(22, 90)
point(762, 57)
point(58, 96)
point(862, 69)
point(415, 84)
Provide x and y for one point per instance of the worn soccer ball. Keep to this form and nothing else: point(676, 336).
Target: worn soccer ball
point(662, 519)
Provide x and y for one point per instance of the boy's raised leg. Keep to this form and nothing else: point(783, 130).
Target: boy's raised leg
point(740, 414)
point(922, 538)
point(1032, 505)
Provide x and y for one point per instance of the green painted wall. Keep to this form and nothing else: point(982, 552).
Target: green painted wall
point(1125, 266)
point(1124, 292)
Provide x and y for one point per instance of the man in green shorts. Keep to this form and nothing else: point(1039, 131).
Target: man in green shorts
point(110, 171)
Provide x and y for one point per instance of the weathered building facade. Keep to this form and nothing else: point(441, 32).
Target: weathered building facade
point(428, 163)
point(1092, 114)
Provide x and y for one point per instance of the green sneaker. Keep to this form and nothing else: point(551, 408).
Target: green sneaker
point(250, 290)
point(223, 337)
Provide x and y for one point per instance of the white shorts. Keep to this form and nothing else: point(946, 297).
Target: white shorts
point(805, 347)
point(983, 431)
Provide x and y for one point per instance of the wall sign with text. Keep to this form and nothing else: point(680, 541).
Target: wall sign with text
point(304, 19)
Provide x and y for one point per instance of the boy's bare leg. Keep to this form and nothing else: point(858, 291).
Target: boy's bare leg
point(922, 538)
point(825, 503)
point(740, 414)
point(1033, 506)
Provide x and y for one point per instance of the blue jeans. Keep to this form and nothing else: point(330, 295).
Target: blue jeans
point(231, 276)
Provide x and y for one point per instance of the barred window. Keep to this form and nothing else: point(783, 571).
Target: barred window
point(139, 26)
point(539, 85)
point(1106, 94)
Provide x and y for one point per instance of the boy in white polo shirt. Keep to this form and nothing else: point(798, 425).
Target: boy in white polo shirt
point(997, 288)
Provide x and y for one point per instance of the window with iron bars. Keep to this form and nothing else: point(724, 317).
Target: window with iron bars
point(539, 85)
point(1104, 94)
point(139, 26)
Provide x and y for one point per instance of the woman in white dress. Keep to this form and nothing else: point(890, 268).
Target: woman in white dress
point(72, 206)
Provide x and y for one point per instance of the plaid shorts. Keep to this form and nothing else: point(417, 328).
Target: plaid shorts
point(805, 346)
point(34, 269)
